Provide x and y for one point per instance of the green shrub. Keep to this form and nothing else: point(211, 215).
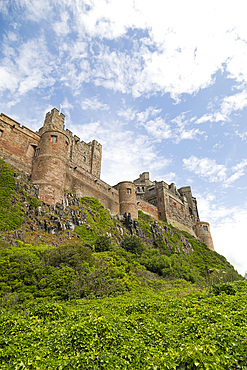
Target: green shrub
point(102, 243)
point(133, 244)
point(226, 288)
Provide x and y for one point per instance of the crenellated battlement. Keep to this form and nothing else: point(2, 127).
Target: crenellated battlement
point(54, 119)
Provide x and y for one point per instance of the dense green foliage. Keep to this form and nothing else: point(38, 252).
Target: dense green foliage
point(176, 329)
point(199, 265)
point(70, 271)
point(99, 220)
point(11, 215)
point(133, 244)
point(102, 243)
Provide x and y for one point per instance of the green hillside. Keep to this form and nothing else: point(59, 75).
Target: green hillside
point(79, 289)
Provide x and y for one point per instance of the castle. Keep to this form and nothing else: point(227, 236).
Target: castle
point(57, 160)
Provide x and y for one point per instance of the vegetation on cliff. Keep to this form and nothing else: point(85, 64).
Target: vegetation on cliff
point(104, 295)
point(11, 215)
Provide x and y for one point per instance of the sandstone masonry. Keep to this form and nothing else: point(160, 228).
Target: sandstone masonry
point(57, 160)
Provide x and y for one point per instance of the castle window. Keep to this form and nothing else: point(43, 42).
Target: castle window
point(36, 152)
point(1, 133)
point(128, 191)
point(143, 188)
point(66, 145)
point(205, 228)
point(84, 158)
point(53, 139)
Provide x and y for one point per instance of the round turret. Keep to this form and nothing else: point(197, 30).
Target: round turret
point(204, 234)
point(127, 198)
point(49, 163)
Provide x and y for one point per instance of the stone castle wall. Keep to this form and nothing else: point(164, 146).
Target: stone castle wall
point(82, 183)
point(57, 160)
point(18, 143)
point(148, 208)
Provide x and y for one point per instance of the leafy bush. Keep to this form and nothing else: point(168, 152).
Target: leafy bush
point(226, 288)
point(102, 243)
point(133, 244)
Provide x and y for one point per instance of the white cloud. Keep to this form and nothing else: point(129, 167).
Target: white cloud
point(206, 168)
point(29, 67)
point(62, 28)
point(228, 105)
point(117, 70)
point(93, 104)
point(240, 165)
point(242, 135)
point(34, 9)
point(167, 177)
point(234, 103)
point(128, 114)
point(159, 129)
point(216, 116)
point(212, 172)
point(177, 129)
point(168, 56)
point(149, 112)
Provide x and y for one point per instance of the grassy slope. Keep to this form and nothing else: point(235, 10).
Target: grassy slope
point(175, 329)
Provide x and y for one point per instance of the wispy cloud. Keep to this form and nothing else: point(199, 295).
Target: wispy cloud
point(206, 168)
point(172, 59)
point(148, 113)
point(93, 104)
point(26, 68)
point(228, 105)
point(177, 129)
point(128, 114)
point(242, 135)
point(211, 171)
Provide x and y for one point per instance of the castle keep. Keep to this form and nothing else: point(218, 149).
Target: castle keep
point(57, 160)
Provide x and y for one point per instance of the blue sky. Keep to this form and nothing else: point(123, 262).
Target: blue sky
point(162, 85)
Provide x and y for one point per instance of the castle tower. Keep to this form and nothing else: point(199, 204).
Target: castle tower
point(49, 163)
point(96, 158)
point(204, 234)
point(127, 198)
point(186, 192)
